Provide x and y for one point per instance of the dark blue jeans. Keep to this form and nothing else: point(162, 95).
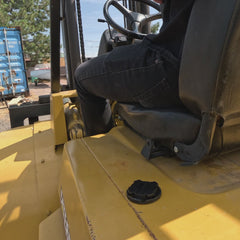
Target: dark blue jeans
point(143, 73)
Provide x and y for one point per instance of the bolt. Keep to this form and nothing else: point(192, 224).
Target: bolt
point(175, 149)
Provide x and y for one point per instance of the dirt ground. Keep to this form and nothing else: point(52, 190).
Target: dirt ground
point(35, 91)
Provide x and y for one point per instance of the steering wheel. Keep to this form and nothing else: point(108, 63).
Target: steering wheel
point(135, 20)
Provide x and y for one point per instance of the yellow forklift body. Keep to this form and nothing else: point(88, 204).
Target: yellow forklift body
point(29, 172)
point(98, 170)
point(79, 192)
point(58, 117)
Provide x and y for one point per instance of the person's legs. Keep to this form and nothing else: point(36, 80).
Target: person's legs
point(141, 73)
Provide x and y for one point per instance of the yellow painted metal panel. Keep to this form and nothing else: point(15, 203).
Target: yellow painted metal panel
point(17, 141)
point(179, 212)
point(95, 176)
point(70, 203)
point(17, 194)
point(58, 117)
point(215, 175)
point(28, 185)
point(47, 163)
point(208, 223)
point(93, 204)
point(52, 227)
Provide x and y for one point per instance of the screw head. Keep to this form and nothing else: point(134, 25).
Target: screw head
point(175, 149)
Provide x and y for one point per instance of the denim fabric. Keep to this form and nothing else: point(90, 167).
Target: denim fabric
point(143, 73)
point(176, 14)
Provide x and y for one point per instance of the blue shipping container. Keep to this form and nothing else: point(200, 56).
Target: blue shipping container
point(12, 66)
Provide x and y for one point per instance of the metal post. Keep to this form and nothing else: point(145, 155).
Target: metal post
point(132, 5)
point(125, 20)
point(70, 32)
point(143, 8)
point(55, 45)
point(80, 28)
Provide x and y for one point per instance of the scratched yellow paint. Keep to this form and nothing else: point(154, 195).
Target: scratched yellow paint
point(29, 170)
point(100, 169)
point(93, 174)
point(58, 122)
point(206, 223)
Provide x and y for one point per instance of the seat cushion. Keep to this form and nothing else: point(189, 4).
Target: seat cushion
point(170, 124)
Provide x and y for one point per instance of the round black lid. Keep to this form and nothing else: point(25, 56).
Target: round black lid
point(143, 192)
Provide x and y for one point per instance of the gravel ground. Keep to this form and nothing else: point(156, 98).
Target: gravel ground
point(35, 91)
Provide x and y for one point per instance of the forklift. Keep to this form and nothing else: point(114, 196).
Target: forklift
point(167, 174)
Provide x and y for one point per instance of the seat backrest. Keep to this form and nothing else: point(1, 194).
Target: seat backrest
point(210, 68)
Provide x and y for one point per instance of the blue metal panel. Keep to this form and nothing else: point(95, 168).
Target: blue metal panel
point(12, 66)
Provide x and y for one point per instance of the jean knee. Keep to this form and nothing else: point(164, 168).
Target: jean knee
point(78, 82)
point(79, 73)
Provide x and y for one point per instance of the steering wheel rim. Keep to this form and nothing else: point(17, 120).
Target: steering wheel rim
point(130, 16)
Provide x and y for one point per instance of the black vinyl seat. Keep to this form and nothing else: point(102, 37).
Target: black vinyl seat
point(209, 87)
point(161, 124)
